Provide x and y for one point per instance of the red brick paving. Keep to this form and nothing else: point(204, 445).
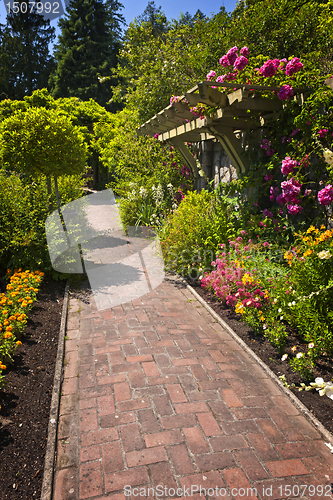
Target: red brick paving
point(157, 395)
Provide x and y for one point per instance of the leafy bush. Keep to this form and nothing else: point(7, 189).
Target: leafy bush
point(193, 232)
point(24, 207)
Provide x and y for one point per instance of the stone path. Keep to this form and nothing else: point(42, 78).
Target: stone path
point(157, 395)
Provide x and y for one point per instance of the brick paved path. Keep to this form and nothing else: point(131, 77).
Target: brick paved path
point(155, 393)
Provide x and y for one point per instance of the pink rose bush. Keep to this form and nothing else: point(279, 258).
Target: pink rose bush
point(288, 165)
point(285, 92)
point(325, 196)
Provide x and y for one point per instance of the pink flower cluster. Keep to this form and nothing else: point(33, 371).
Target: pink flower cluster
point(288, 165)
point(174, 98)
point(290, 190)
point(293, 66)
point(226, 281)
point(322, 133)
point(269, 68)
point(211, 75)
point(285, 93)
point(232, 59)
point(325, 196)
point(266, 145)
point(274, 191)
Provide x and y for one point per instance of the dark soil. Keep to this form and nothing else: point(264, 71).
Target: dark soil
point(320, 406)
point(25, 401)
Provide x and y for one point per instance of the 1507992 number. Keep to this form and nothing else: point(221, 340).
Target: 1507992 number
point(311, 490)
point(38, 7)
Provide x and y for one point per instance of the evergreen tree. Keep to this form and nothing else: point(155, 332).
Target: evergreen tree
point(87, 50)
point(25, 61)
point(155, 17)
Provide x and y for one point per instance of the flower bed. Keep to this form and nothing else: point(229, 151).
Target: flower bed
point(21, 293)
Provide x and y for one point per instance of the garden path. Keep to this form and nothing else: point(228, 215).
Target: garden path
point(156, 394)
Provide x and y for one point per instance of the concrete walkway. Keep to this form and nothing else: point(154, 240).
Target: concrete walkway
point(159, 401)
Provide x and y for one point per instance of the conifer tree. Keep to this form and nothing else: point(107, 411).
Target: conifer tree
point(87, 50)
point(25, 61)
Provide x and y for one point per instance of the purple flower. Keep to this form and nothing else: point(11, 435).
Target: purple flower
point(294, 209)
point(325, 196)
point(294, 132)
point(293, 66)
point(288, 165)
point(267, 213)
point(322, 133)
point(285, 93)
point(268, 177)
point(274, 191)
point(156, 136)
point(245, 51)
point(240, 63)
point(211, 75)
point(268, 69)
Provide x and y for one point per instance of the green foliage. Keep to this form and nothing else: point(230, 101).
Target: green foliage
point(24, 206)
point(193, 233)
point(87, 50)
point(25, 60)
point(153, 68)
point(41, 141)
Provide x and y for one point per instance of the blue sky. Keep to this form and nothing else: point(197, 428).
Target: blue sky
point(171, 8)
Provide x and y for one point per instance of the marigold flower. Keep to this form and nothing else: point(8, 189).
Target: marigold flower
point(18, 342)
point(3, 367)
point(7, 335)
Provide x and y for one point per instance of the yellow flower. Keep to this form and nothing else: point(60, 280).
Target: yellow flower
point(2, 367)
point(8, 335)
point(18, 342)
point(9, 328)
point(311, 228)
point(4, 312)
point(6, 322)
point(307, 253)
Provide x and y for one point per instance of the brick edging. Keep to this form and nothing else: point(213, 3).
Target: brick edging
point(295, 401)
point(47, 485)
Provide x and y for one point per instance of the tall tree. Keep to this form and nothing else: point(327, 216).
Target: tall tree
point(87, 50)
point(25, 61)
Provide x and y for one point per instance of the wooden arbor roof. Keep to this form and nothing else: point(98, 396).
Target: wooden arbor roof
point(242, 109)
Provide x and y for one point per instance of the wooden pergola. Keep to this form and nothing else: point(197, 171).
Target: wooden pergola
point(237, 111)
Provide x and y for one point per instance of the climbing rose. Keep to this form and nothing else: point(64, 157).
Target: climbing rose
point(274, 191)
point(288, 165)
point(281, 199)
point(322, 133)
point(240, 63)
point(325, 196)
point(294, 209)
point(220, 78)
point(211, 75)
point(245, 51)
point(293, 66)
point(232, 55)
point(268, 69)
point(285, 92)
point(224, 61)
point(290, 190)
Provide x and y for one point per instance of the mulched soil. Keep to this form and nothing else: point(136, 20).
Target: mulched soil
point(26, 399)
point(320, 406)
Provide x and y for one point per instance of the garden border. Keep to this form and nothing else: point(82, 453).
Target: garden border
point(296, 402)
point(47, 485)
